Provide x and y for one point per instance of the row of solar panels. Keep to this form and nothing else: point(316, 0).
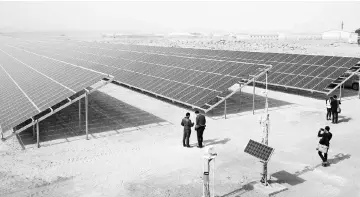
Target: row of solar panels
point(30, 84)
point(306, 72)
point(194, 87)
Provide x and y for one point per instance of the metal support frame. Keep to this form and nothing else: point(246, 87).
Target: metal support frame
point(266, 89)
point(37, 134)
point(225, 109)
point(343, 82)
point(34, 130)
point(340, 92)
point(44, 117)
point(86, 115)
point(253, 108)
point(359, 86)
point(241, 85)
point(110, 79)
point(80, 116)
point(240, 100)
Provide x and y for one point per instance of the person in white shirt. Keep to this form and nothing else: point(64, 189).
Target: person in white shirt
point(328, 108)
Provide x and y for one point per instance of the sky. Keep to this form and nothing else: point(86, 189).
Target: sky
point(177, 16)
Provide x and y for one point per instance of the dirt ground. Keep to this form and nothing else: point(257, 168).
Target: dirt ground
point(151, 161)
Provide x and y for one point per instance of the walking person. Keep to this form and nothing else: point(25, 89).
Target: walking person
point(328, 108)
point(187, 124)
point(335, 109)
point(200, 127)
point(324, 144)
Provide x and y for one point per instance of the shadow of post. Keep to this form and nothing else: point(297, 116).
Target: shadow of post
point(216, 141)
point(245, 188)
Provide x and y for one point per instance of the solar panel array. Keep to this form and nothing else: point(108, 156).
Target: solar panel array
point(195, 77)
point(258, 150)
point(30, 84)
point(307, 72)
point(192, 81)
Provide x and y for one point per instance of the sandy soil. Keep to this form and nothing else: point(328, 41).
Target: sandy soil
point(152, 162)
point(296, 46)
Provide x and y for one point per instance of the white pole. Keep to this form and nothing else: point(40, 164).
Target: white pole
point(225, 109)
point(359, 86)
point(34, 131)
point(239, 100)
point(253, 96)
point(86, 116)
point(79, 115)
point(38, 134)
point(266, 84)
point(340, 92)
point(214, 179)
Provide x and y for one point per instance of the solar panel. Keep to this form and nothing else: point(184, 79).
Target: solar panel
point(258, 150)
point(289, 70)
point(33, 83)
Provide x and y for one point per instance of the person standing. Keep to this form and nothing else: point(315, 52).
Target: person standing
point(328, 108)
point(324, 144)
point(335, 106)
point(187, 124)
point(200, 127)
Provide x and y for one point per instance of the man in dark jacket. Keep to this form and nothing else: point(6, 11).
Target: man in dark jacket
point(200, 127)
point(187, 124)
point(334, 107)
point(325, 140)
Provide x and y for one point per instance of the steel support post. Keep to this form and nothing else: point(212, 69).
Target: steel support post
point(80, 116)
point(253, 109)
point(37, 134)
point(340, 92)
point(225, 109)
point(359, 86)
point(240, 100)
point(86, 116)
point(34, 131)
point(266, 89)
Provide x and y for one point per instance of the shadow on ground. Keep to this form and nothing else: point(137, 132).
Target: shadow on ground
point(344, 119)
point(337, 158)
point(238, 192)
point(243, 102)
point(286, 177)
point(216, 141)
point(294, 179)
point(105, 113)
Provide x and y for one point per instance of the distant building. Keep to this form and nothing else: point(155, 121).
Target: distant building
point(336, 35)
point(340, 35)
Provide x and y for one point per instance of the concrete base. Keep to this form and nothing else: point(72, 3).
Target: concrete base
point(271, 189)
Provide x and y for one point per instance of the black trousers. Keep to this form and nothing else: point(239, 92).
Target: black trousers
point(186, 138)
point(200, 132)
point(335, 117)
point(323, 158)
point(328, 114)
